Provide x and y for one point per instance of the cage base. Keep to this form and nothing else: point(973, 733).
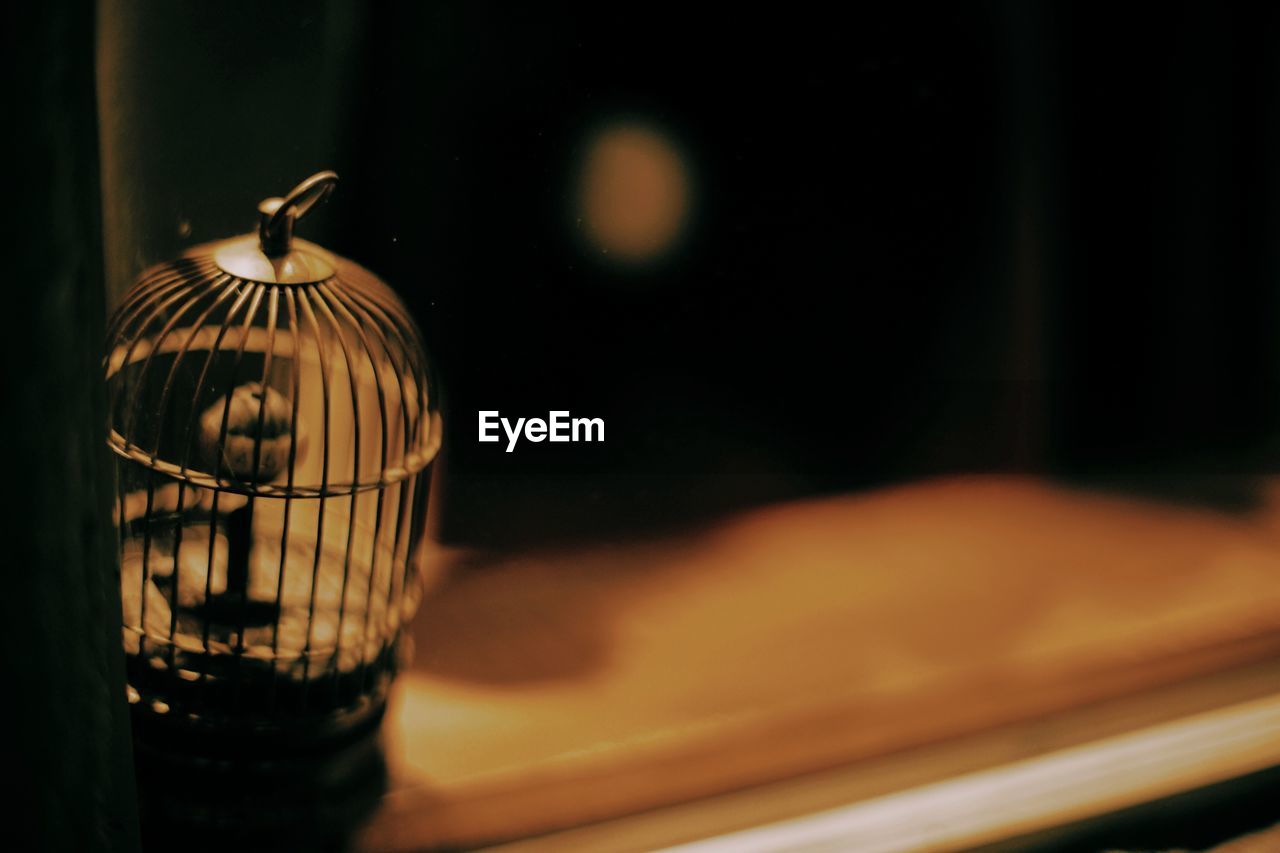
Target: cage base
point(251, 790)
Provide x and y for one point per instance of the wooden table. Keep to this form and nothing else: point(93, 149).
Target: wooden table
point(886, 639)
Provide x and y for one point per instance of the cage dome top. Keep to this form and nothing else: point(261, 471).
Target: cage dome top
point(266, 365)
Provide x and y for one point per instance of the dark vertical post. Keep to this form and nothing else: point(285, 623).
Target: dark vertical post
point(67, 752)
point(1030, 133)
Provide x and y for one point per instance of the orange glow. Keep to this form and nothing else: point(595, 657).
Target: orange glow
point(634, 198)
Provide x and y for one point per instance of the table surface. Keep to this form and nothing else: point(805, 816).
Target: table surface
point(551, 690)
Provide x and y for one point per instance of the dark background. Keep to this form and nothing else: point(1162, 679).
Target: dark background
point(993, 236)
point(926, 239)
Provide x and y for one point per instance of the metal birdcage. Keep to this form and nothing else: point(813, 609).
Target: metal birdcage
point(273, 419)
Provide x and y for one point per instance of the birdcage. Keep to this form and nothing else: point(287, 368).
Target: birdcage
point(273, 419)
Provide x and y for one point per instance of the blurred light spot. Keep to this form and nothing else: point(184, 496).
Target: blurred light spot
point(635, 192)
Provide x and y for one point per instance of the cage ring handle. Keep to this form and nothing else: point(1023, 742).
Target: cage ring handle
point(277, 215)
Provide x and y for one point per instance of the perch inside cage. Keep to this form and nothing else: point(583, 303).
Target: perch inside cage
point(273, 420)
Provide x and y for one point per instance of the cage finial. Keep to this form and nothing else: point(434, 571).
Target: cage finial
point(277, 215)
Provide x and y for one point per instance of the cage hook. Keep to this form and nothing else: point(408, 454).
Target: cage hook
point(277, 215)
